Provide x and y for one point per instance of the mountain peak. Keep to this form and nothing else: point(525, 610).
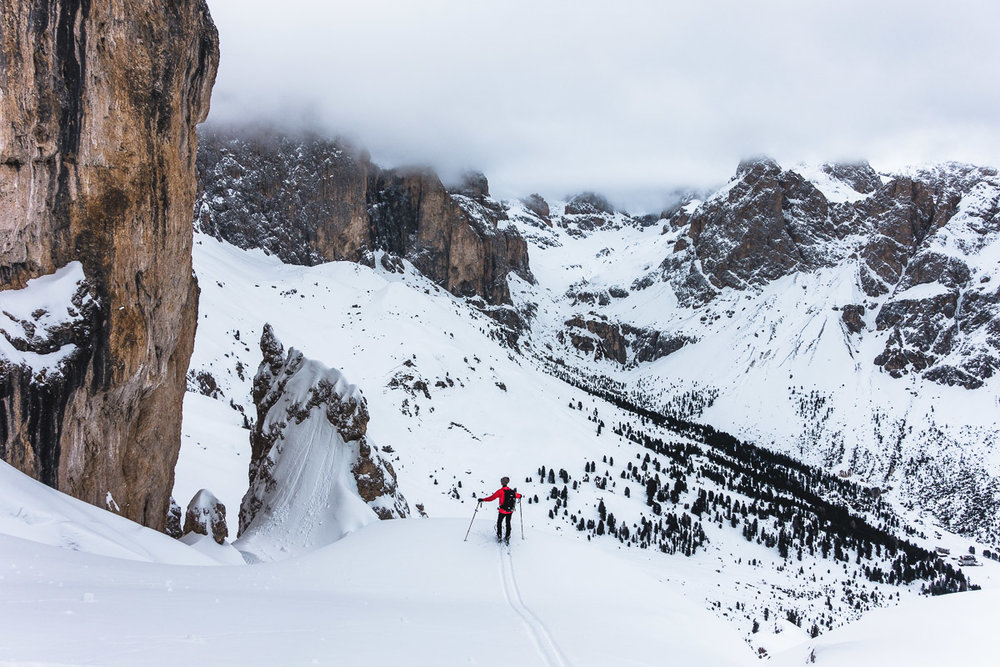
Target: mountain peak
point(589, 203)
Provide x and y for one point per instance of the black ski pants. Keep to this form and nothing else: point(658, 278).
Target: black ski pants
point(501, 517)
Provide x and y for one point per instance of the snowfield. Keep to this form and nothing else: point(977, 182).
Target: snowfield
point(952, 630)
point(396, 592)
point(406, 591)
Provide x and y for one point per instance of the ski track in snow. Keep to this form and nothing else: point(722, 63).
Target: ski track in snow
point(547, 647)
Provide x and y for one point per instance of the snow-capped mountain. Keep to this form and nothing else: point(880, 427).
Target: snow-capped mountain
point(756, 425)
point(767, 310)
point(847, 318)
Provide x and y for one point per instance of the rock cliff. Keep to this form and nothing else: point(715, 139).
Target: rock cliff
point(765, 224)
point(921, 241)
point(309, 200)
point(99, 101)
point(314, 474)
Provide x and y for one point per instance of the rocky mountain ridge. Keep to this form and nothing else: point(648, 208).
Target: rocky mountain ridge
point(813, 279)
point(929, 228)
point(855, 329)
point(310, 200)
point(923, 244)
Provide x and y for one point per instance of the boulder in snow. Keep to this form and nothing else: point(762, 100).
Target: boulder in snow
point(206, 516)
point(174, 520)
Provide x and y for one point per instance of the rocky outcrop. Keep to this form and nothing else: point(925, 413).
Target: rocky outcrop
point(921, 243)
point(173, 528)
point(943, 315)
point(852, 315)
point(97, 147)
point(472, 184)
point(622, 343)
point(310, 200)
point(602, 339)
point(453, 239)
point(586, 212)
point(301, 199)
point(314, 474)
point(649, 345)
point(206, 515)
point(589, 203)
point(537, 205)
point(766, 224)
point(858, 175)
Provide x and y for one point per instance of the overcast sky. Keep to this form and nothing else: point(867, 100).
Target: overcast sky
point(629, 98)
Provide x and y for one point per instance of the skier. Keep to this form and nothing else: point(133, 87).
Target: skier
point(508, 500)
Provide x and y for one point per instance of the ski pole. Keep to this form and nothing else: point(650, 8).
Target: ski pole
point(473, 519)
point(520, 507)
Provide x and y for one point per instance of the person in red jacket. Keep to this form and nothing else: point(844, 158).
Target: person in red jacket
point(508, 501)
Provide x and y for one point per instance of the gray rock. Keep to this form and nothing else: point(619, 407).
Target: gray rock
point(206, 516)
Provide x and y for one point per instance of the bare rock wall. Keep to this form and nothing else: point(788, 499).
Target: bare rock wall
point(97, 148)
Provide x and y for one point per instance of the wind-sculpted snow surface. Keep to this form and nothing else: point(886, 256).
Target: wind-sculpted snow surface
point(951, 630)
point(407, 592)
point(32, 512)
point(314, 475)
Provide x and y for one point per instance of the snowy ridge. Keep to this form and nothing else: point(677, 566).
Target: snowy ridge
point(834, 189)
point(305, 482)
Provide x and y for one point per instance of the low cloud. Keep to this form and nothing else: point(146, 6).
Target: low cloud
point(633, 99)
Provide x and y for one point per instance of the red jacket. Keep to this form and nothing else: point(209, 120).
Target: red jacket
point(499, 494)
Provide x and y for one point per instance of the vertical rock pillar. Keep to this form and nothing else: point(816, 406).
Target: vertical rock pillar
point(98, 105)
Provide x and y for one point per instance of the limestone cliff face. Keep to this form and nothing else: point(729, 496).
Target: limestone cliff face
point(310, 200)
point(302, 199)
point(97, 147)
point(453, 238)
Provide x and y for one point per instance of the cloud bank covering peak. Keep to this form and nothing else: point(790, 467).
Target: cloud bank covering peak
point(633, 99)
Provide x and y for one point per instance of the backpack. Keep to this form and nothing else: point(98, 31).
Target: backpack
point(509, 500)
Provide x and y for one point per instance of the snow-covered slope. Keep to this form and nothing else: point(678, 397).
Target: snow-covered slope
point(30, 511)
point(800, 353)
point(825, 310)
point(406, 591)
point(954, 630)
point(315, 475)
point(454, 408)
